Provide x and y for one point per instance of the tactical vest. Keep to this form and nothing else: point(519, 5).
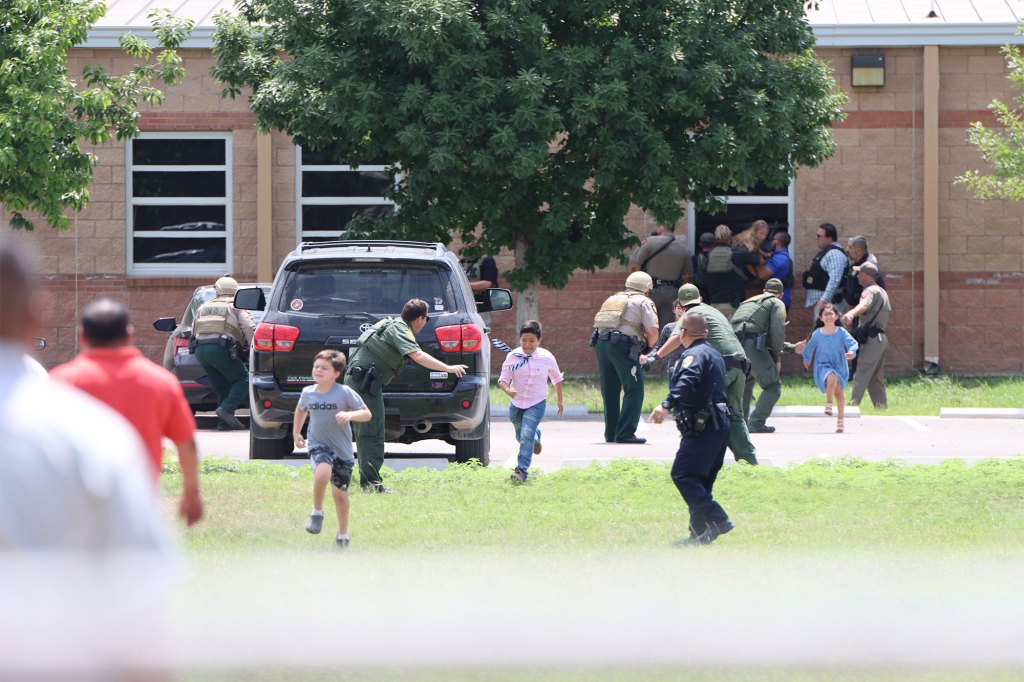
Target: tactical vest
point(720, 260)
point(758, 321)
point(214, 317)
point(816, 277)
point(373, 345)
point(610, 316)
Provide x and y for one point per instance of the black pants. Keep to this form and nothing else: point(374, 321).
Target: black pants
point(698, 461)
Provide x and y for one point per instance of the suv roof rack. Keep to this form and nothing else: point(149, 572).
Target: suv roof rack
point(437, 248)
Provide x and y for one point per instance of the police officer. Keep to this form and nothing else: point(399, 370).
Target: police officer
point(873, 312)
point(221, 333)
point(760, 325)
point(667, 260)
point(728, 271)
point(697, 399)
point(483, 275)
point(626, 323)
point(378, 358)
point(737, 366)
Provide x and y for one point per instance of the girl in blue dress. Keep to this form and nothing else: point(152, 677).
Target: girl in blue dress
point(829, 349)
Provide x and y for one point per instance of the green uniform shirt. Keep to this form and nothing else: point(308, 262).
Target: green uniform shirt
point(720, 334)
point(386, 345)
point(761, 314)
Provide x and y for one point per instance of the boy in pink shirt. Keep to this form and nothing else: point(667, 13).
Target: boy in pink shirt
point(524, 377)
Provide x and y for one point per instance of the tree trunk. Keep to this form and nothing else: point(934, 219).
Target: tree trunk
point(526, 305)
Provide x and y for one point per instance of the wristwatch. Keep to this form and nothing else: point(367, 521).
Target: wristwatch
point(665, 404)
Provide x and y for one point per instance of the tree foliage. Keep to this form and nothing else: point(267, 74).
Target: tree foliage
point(44, 116)
point(1002, 149)
point(540, 121)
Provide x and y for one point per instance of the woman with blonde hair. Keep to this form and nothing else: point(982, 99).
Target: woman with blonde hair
point(753, 238)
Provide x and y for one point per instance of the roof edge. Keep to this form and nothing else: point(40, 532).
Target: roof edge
point(100, 37)
point(916, 35)
point(826, 35)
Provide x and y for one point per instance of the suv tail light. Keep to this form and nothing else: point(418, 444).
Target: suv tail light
point(459, 338)
point(180, 345)
point(275, 337)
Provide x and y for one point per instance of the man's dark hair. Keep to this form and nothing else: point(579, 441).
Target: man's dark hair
point(830, 231)
point(530, 327)
point(336, 358)
point(783, 238)
point(415, 308)
point(105, 323)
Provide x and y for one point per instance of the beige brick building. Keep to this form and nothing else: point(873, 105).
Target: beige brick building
point(217, 197)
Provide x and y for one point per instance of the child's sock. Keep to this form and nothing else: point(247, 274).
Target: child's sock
point(317, 512)
point(341, 537)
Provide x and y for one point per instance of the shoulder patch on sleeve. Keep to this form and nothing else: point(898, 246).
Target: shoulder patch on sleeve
point(687, 361)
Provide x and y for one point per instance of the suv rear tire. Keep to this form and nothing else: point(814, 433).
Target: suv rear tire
point(480, 449)
point(270, 448)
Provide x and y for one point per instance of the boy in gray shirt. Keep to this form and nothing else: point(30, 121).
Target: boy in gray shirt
point(331, 407)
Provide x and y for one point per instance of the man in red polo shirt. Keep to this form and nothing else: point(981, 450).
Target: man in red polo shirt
point(113, 370)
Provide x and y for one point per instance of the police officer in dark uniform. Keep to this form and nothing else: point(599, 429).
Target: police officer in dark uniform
point(697, 399)
point(379, 357)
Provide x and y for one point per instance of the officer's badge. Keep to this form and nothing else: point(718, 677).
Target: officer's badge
point(687, 361)
point(412, 337)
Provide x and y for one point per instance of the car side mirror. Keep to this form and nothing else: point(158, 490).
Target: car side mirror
point(165, 324)
point(250, 298)
point(494, 299)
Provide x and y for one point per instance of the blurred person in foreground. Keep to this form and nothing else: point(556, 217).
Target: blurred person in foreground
point(84, 558)
point(696, 398)
point(111, 369)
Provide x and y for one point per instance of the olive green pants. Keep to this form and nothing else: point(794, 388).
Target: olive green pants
point(870, 374)
point(621, 378)
point(766, 374)
point(369, 437)
point(739, 438)
point(229, 378)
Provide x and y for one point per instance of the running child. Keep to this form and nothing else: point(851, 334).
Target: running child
point(830, 348)
point(524, 377)
point(331, 407)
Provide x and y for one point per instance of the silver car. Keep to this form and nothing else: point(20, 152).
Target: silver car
point(198, 391)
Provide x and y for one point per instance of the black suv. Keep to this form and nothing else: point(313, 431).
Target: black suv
point(326, 294)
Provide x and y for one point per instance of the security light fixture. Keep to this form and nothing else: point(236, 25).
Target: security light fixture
point(868, 70)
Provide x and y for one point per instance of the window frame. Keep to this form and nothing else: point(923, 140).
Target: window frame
point(789, 200)
point(301, 201)
point(177, 269)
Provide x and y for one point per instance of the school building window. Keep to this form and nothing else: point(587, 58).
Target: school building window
point(331, 195)
point(775, 206)
point(179, 203)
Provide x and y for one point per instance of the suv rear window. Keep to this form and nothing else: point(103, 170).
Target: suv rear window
point(370, 288)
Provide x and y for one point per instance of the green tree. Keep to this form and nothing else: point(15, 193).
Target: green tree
point(540, 121)
point(44, 116)
point(1002, 149)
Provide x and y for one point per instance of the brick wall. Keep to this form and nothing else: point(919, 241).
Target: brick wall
point(872, 186)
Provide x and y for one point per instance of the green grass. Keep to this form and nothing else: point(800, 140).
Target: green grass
point(629, 504)
point(828, 532)
point(912, 394)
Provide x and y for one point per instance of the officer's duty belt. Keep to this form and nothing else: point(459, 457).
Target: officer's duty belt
point(616, 337)
point(668, 283)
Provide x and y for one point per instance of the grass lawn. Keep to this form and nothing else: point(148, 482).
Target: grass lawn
point(912, 394)
point(825, 554)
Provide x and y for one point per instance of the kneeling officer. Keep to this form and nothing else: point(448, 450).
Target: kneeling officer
point(697, 399)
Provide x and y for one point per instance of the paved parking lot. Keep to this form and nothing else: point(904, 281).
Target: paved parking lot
point(577, 442)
